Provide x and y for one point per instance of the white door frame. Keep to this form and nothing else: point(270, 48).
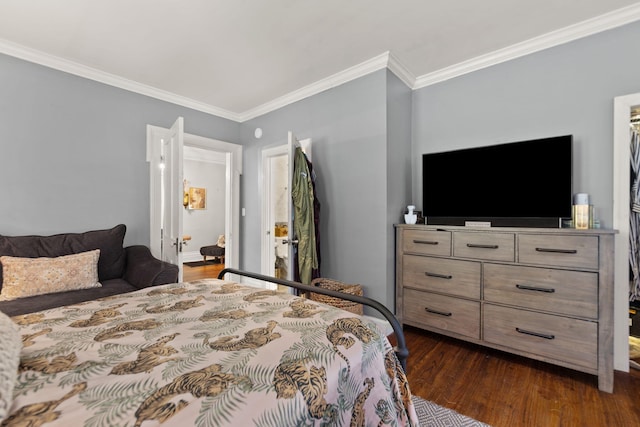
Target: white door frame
point(233, 162)
point(622, 106)
point(267, 239)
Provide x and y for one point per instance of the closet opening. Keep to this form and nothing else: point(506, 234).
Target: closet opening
point(634, 240)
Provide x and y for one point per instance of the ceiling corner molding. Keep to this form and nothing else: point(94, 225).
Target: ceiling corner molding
point(60, 64)
point(402, 72)
point(586, 28)
point(374, 64)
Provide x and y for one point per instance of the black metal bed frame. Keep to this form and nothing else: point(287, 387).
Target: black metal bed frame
point(400, 349)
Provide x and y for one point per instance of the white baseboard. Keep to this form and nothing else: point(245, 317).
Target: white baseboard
point(191, 256)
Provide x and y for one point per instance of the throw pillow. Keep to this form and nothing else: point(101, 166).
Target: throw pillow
point(113, 257)
point(10, 347)
point(23, 277)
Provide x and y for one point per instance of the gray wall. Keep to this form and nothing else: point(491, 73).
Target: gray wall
point(398, 168)
point(348, 127)
point(568, 89)
point(72, 151)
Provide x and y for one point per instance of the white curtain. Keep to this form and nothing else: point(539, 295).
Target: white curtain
point(634, 217)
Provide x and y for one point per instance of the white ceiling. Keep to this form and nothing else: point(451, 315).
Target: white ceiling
point(241, 58)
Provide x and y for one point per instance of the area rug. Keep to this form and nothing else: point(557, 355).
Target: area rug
point(201, 263)
point(432, 415)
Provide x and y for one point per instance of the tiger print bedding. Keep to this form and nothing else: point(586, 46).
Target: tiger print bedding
point(206, 353)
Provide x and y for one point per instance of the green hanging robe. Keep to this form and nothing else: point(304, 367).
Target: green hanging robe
point(303, 220)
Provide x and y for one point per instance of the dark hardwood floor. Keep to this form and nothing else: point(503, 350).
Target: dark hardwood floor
point(505, 390)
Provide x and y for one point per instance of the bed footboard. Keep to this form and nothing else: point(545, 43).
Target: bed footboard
point(400, 349)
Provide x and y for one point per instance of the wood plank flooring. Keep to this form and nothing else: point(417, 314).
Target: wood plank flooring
point(505, 390)
point(204, 272)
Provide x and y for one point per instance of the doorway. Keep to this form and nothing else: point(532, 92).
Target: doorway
point(203, 170)
point(277, 242)
point(232, 155)
point(275, 213)
point(622, 108)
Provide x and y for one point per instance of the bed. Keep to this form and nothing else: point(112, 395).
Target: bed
point(211, 352)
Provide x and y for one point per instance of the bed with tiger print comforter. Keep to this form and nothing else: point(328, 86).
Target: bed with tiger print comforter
point(206, 353)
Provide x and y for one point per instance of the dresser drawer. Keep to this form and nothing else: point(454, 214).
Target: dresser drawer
point(428, 242)
point(558, 250)
point(573, 293)
point(485, 246)
point(443, 312)
point(555, 337)
point(455, 277)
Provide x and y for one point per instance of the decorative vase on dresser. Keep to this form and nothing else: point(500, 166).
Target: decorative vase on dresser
point(542, 293)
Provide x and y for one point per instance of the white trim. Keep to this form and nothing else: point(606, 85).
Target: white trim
point(191, 256)
point(155, 135)
point(374, 64)
point(402, 72)
point(61, 64)
point(586, 28)
point(621, 175)
point(582, 29)
point(202, 155)
point(266, 240)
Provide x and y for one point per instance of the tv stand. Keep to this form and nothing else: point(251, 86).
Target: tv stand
point(546, 222)
point(546, 294)
point(477, 223)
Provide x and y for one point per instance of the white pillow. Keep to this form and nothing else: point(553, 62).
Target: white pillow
point(10, 348)
point(23, 277)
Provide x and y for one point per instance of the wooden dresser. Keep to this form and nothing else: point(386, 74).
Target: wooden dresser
point(542, 293)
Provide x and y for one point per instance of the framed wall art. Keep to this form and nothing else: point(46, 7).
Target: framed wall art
point(197, 198)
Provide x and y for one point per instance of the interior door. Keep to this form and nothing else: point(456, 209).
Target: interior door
point(292, 239)
point(278, 241)
point(171, 195)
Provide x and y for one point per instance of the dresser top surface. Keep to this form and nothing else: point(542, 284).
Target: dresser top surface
point(590, 231)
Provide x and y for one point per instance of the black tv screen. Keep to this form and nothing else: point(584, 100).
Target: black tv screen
point(518, 184)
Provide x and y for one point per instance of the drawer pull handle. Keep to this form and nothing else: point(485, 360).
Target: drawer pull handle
point(557, 251)
point(425, 242)
point(536, 334)
point(535, 288)
point(441, 313)
point(473, 245)
point(440, 276)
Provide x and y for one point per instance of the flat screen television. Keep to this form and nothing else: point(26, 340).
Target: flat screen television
point(517, 184)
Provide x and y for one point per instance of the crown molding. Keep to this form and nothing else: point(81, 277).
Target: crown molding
point(374, 64)
point(387, 60)
point(57, 63)
point(402, 72)
point(577, 31)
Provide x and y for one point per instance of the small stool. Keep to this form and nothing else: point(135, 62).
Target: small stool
point(212, 251)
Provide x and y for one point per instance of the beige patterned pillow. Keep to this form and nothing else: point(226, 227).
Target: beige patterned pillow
point(23, 277)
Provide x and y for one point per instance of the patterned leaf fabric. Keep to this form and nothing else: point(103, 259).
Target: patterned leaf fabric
point(206, 353)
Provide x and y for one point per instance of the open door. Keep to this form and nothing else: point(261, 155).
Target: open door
point(292, 240)
point(165, 155)
point(278, 240)
point(172, 151)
